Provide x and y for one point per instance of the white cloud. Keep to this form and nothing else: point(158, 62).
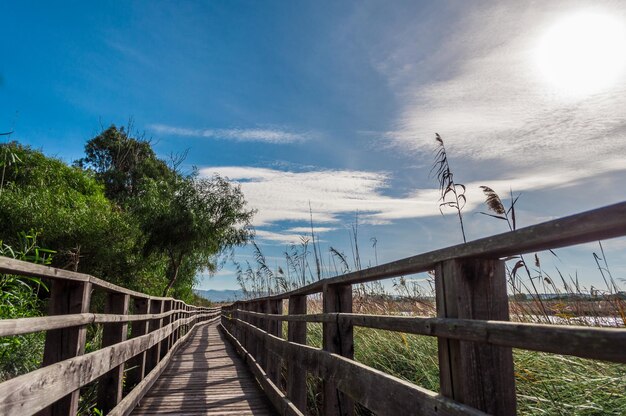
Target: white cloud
point(274, 136)
point(278, 237)
point(496, 106)
point(307, 230)
point(281, 195)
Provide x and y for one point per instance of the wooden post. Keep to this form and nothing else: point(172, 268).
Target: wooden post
point(66, 297)
point(174, 318)
point(337, 339)
point(261, 355)
point(154, 354)
point(110, 384)
point(137, 364)
point(274, 327)
point(478, 375)
point(165, 344)
point(296, 375)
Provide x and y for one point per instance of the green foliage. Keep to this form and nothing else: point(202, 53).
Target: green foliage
point(19, 298)
point(184, 221)
point(122, 163)
point(190, 221)
point(122, 214)
point(68, 209)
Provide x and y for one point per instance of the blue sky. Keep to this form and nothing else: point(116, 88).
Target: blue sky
point(336, 104)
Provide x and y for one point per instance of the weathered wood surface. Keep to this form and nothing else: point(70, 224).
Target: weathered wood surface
point(382, 393)
point(20, 326)
point(605, 344)
point(110, 384)
point(126, 406)
point(280, 402)
point(338, 339)
point(599, 224)
point(137, 364)
point(29, 393)
point(296, 375)
point(23, 268)
point(66, 297)
point(205, 377)
point(477, 374)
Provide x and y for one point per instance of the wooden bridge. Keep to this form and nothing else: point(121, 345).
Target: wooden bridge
point(181, 359)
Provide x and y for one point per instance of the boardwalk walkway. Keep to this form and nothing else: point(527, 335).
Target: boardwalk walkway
point(206, 377)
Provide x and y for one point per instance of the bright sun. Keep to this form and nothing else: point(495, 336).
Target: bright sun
point(583, 53)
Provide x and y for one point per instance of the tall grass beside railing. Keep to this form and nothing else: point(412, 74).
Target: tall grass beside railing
point(546, 384)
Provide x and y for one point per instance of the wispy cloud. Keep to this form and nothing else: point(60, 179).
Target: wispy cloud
point(278, 237)
point(307, 230)
point(285, 196)
point(496, 106)
point(267, 135)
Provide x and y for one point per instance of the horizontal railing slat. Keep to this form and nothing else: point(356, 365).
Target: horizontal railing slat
point(20, 326)
point(607, 344)
point(23, 268)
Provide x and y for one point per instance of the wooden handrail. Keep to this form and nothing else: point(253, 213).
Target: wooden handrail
point(159, 326)
point(475, 337)
point(21, 326)
point(605, 344)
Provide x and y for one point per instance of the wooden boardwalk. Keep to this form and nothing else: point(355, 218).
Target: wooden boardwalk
point(206, 377)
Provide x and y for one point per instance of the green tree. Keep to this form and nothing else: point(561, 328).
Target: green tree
point(67, 208)
point(191, 221)
point(186, 221)
point(121, 163)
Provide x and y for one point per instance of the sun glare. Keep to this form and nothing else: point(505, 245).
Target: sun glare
point(583, 53)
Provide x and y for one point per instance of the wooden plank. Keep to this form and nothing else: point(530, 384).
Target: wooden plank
point(66, 297)
point(379, 392)
point(476, 374)
point(261, 352)
point(599, 224)
point(337, 339)
point(137, 364)
point(29, 393)
point(279, 400)
point(24, 268)
point(129, 402)
point(110, 384)
point(313, 317)
point(165, 344)
point(274, 327)
point(20, 326)
point(595, 343)
point(296, 375)
point(110, 287)
point(581, 341)
point(154, 354)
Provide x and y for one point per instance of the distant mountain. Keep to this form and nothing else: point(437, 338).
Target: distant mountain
point(220, 295)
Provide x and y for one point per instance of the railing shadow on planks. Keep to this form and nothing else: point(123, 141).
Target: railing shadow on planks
point(475, 337)
point(158, 327)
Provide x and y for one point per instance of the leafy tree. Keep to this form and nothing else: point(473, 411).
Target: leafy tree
point(122, 163)
point(66, 207)
point(186, 221)
point(191, 221)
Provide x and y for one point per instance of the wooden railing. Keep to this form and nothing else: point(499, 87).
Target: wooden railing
point(127, 363)
point(475, 339)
